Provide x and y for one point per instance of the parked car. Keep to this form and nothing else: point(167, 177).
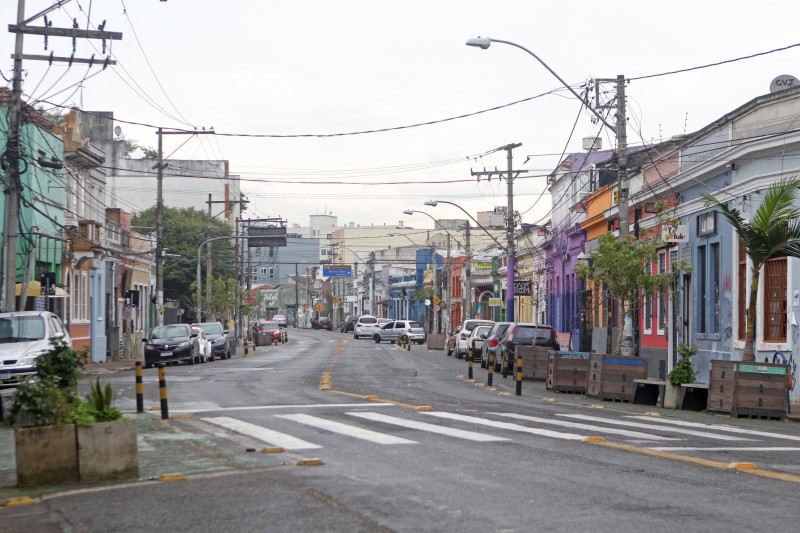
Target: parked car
point(280, 320)
point(349, 323)
point(451, 341)
point(322, 322)
point(203, 343)
point(392, 331)
point(365, 327)
point(475, 341)
point(267, 333)
point(489, 346)
point(523, 334)
point(24, 336)
point(171, 344)
point(219, 339)
point(466, 328)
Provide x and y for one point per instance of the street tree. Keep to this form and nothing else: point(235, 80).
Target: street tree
point(184, 230)
point(624, 267)
point(773, 231)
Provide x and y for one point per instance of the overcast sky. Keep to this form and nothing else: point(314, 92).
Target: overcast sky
point(322, 67)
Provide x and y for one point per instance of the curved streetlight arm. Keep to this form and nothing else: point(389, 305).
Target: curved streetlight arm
point(485, 42)
point(433, 203)
point(199, 250)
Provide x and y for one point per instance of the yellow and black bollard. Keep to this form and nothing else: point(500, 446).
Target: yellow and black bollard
point(505, 366)
point(469, 364)
point(491, 369)
point(245, 346)
point(162, 386)
point(519, 372)
point(139, 388)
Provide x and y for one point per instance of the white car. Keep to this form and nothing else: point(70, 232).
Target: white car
point(475, 341)
point(24, 336)
point(203, 343)
point(365, 326)
point(280, 320)
point(466, 328)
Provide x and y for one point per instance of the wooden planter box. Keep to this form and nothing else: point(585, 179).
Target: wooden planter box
point(69, 453)
point(751, 389)
point(611, 376)
point(568, 371)
point(535, 360)
point(436, 342)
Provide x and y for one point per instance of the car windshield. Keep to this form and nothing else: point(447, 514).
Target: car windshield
point(469, 326)
point(268, 325)
point(166, 332)
point(214, 329)
point(527, 332)
point(21, 328)
point(368, 320)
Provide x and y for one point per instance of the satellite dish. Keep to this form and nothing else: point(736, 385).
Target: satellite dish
point(117, 131)
point(783, 82)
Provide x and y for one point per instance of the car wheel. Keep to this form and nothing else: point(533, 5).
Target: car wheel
point(420, 342)
point(449, 352)
point(148, 365)
point(377, 339)
point(483, 363)
point(355, 336)
point(192, 359)
point(227, 354)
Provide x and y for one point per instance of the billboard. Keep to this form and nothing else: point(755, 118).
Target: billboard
point(266, 236)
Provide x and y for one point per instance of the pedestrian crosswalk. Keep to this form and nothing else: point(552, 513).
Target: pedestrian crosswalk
point(300, 431)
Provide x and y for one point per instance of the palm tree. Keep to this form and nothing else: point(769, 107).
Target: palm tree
point(774, 231)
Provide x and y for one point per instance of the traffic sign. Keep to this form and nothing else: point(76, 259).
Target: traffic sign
point(335, 301)
point(319, 307)
point(437, 300)
point(437, 308)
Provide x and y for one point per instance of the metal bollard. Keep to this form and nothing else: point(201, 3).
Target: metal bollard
point(505, 367)
point(245, 346)
point(491, 369)
point(469, 364)
point(519, 373)
point(139, 388)
point(162, 386)
point(408, 343)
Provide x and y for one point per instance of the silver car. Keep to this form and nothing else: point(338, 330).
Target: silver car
point(392, 331)
point(24, 336)
point(365, 326)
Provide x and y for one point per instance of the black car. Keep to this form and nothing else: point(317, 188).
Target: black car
point(322, 322)
point(173, 343)
point(349, 323)
point(523, 334)
point(219, 339)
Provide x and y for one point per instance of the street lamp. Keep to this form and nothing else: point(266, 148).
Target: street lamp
point(509, 250)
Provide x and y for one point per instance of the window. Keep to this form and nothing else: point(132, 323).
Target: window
point(255, 270)
point(662, 296)
point(648, 314)
point(775, 304)
point(263, 270)
point(714, 283)
point(742, 297)
point(271, 272)
point(255, 279)
point(701, 288)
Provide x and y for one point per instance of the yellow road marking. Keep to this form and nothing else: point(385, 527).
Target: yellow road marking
point(745, 468)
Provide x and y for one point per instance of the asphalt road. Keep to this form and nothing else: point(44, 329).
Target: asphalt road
point(409, 444)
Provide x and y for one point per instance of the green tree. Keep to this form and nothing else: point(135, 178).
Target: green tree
point(773, 231)
point(624, 266)
point(184, 230)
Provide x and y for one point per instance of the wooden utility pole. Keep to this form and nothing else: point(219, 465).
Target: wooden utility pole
point(13, 184)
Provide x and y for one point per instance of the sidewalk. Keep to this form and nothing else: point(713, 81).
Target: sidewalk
point(108, 367)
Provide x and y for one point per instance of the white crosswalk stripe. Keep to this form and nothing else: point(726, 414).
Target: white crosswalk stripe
point(655, 427)
point(729, 429)
point(431, 428)
point(269, 436)
point(507, 426)
point(345, 429)
point(587, 427)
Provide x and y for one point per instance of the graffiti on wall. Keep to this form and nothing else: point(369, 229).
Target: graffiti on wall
point(727, 286)
point(781, 359)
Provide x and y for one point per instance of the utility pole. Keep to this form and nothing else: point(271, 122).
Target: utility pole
point(622, 172)
point(13, 184)
point(510, 223)
point(467, 276)
point(448, 279)
point(208, 254)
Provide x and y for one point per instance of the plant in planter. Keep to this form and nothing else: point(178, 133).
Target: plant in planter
point(683, 371)
point(61, 441)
